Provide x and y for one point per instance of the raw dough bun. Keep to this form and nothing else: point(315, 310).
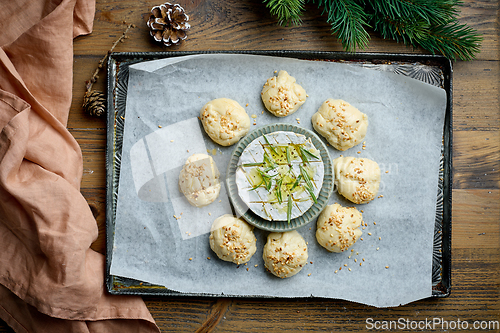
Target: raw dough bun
point(340, 123)
point(282, 96)
point(357, 179)
point(232, 239)
point(225, 121)
point(285, 253)
point(199, 180)
point(337, 227)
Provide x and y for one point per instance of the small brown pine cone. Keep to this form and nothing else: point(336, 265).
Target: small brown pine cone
point(168, 23)
point(94, 103)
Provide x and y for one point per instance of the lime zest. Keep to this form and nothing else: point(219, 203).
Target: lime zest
point(270, 145)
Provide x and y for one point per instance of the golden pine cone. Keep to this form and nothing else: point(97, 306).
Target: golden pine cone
point(168, 23)
point(94, 103)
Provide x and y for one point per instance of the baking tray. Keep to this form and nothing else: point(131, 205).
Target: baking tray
point(435, 70)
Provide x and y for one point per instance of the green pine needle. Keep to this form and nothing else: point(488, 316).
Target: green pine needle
point(348, 21)
point(453, 40)
point(287, 11)
point(430, 24)
point(431, 11)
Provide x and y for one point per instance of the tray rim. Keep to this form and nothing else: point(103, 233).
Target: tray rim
point(442, 289)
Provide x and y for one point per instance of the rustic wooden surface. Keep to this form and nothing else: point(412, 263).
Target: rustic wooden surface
point(247, 25)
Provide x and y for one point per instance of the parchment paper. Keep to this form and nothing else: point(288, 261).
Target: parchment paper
point(391, 265)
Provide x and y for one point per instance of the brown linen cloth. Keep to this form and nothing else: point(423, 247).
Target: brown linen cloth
point(50, 279)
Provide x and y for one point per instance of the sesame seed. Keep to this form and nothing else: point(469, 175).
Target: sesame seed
point(386, 266)
point(309, 274)
point(369, 233)
point(246, 104)
point(208, 258)
point(378, 248)
point(209, 213)
point(159, 126)
point(190, 258)
point(363, 259)
point(171, 140)
point(255, 265)
point(336, 271)
point(387, 171)
point(375, 223)
point(247, 269)
point(355, 260)
point(345, 265)
point(379, 238)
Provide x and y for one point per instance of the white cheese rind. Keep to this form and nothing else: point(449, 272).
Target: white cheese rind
point(260, 201)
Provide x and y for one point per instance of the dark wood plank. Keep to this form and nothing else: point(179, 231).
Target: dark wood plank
point(475, 217)
point(476, 96)
point(476, 159)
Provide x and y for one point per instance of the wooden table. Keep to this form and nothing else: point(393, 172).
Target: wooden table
point(247, 25)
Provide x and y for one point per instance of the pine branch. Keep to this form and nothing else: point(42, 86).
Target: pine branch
point(400, 30)
point(453, 40)
point(431, 11)
point(287, 11)
point(430, 24)
point(448, 38)
point(347, 19)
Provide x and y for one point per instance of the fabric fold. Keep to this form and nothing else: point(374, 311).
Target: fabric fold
point(50, 279)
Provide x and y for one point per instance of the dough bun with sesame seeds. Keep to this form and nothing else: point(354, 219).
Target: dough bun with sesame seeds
point(199, 180)
point(340, 123)
point(282, 96)
point(357, 179)
point(232, 239)
point(225, 121)
point(285, 253)
point(337, 227)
